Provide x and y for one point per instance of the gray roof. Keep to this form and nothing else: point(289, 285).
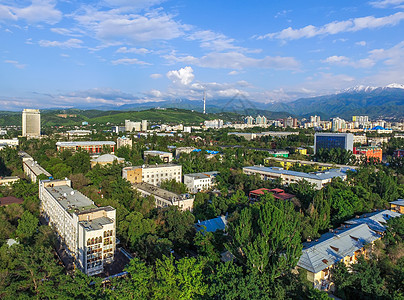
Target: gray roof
point(36, 168)
point(398, 202)
point(159, 192)
point(212, 225)
point(376, 220)
point(332, 247)
point(107, 158)
point(154, 166)
point(316, 176)
point(202, 175)
point(155, 152)
point(84, 143)
point(96, 224)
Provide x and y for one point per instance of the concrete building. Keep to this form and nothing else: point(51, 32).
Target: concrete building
point(8, 180)
point(92, 147)
point(123, 141)
point(180, 150)
point(249, 120)
point(217, 123)
point(78, 133)
point(31, 123)
point(338, 124)
point(144, 125)
point(368, 153)
point(319, 179)
point(166, 157)
point(360, 139)
point(153, 174)
point(278, 153)
point(9, 143)
point(106, 159)
point(333, 140)
point(376, 220)
point(397, 206)
point(165, 198)
point(261, 120)
point(132, 126)
point(290, 122)
point(86, 231)
point(197, 182)
point(32, 170)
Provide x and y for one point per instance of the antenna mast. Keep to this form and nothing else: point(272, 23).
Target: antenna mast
point(204, 102)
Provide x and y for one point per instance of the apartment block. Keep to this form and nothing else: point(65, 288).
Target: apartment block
point(31, 123)
point(153, 174)
point(197, 182)
point(86, 231)
point(32, 169)
point(164, 156)
point(123, 141)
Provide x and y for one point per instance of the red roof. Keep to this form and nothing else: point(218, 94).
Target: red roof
point(277, 190)
point(277, 193)
point(260, 191)
point(10, 200)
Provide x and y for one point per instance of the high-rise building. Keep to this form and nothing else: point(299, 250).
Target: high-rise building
point(249, 120)
point(133, 126)
point(338, 124)
point(290, 122)
point(144, 125)
point(260, 120)
point(31, 123)
point(333, 140)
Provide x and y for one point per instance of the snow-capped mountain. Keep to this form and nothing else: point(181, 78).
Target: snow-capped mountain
point(368, 89)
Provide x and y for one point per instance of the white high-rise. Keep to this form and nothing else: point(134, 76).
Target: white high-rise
point(31, 123)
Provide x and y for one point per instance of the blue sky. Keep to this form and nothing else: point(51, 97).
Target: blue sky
point(68, 53)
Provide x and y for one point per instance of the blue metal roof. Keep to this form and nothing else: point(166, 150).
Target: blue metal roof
point(212, 225)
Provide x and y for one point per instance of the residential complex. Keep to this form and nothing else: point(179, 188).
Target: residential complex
point(153, 174)
point(33, 170)
point(319, 179)
point(31, 123)
point(123, 141)
point(333, 140)
point(86, 231)
point(197, 182)
point(165, 198)
point(92, 147)
point(218, 123)
point(166, 157)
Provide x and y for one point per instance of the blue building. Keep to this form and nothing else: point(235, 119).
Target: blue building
point(333, 140)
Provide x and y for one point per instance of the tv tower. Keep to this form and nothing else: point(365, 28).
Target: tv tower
point(204, 102)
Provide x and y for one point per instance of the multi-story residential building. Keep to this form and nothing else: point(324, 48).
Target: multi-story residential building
point(397, 205)
point(249, 120)
point(360, 121)
point(31, 123)
point(153, 174)
point(132, 126)
point(360, 139)
point(86, 231)
point(319, 179)
point(217, 123)
point(32, 170)
point(197, 182)
point(144, 125)
point(315, 120)
point(338, 124)
point(368, 153)
point(165, 198)
point(333, 140)
point(164, 156)
point(123, 141)
point(261, 120)
point(92, 147)
point(290, 122)
point(106, 159)
point(344, 244)
point(8, 180)
point(9, 143)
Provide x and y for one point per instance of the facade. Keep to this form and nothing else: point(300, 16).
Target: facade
point(333, 140)
point(86, 231)
point(319, 179)
point(166, 157)
point(8, 180)
point(78, 133)
point(249, 120)
point(123, 141)
point(360, 139)
point(218, 123)
point(344, 244)
point(165, 198)
point(287, 163)
point(153, 174)
point(32, 170)
point(197, 182)
point(369, 153)
point(106, 159)
point(338, 124)
point(9, 143)
point(290, 122)
point(397, 206)
point(144, 125)
point(132, 126)
point(92, 147)
point(261, 120)
point(278, 153)
point(31, 123)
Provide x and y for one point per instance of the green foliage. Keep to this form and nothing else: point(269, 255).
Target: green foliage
point(335, 155)
point(27, 226)
point(174, 186)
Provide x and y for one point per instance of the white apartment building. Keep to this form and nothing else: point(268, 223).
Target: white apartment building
point(164, 156)
point(319, 179)
point(153, 174)
point(32, 169)
point(31, 123)
point(132, 126)
point(9, 143)
point(217, 123)
point(86, 231)
point(123, 141)
point(165, 198)
point(197, 182)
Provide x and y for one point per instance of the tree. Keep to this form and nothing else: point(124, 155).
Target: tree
point(27, 226)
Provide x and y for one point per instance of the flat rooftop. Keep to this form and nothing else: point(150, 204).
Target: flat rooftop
point(159, 192)
point(156, 152)
point(202, 175)
point(96, 224)
point(71, 200)
point(36, 168)
point(154, 166)
point(84, 143)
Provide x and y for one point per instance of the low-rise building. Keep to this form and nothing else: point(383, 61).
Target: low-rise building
point(78, 133)
point(92, 147)
point(344, 244)
point(106, 159)
point(123, 141)
point(319, 179)
point(375, 220)
point(368, 153)
point(302, 151)
point(9, 143)
point(212, 225)
point(277, 193)
point(164, 156)
point(278, 153)
point(86, 231)
point(180, 150)
point(153, 174)
point(197, 182)
point(165, 198)
point(8, 180)
point(397, 206)
point(217, 123)
point(32, 170)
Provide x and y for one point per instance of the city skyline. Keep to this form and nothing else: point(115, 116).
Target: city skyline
point(65, 53)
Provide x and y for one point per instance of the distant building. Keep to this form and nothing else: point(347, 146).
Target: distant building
point(32, 170)
point(92, 147)
point(333, 140)
point(319, 179)
point(187, 129)
point(8, 180)
point(118, 129)
point(302, 151)
point(360, 139)
point(249, 120)
point(9, 143)
point(398, 153)
point(106, 159)
point(165, 198)
point(315, 120)
point(217, 123)
point(153, 174)
point(261, 120)
point(144, 125)
point(180, 150)
point(278, 153)
point(164, 156)
point(31, 123)
point(78, 133)
point(197, 182)
point(397, 206)
point(338, 124)
point(86, 231)
point(132, 126)
point(368, 153)
point(290, 122)
point(123, 141)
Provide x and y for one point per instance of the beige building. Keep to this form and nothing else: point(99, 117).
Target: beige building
point(32, 170)
point(8, 180)
point(31, 123)
point(87, 231)
point(106, 159)
point(123, 141)
point(153, 174)
point(166, 157)
point(13, 143)
point(180, 150)
point(165, 198)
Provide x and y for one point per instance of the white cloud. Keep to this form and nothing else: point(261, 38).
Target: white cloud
point(133, 50)
point(361, 43)
point(335, 27)
point(38, 11)
point(15, 64)
point(234, 72)
point(129, 61)
point(155, 76)
point(65, 31)
point(182, 76)
point(345, 61)
point(70, 43)
point(386, 3)
point(155, 93)
point(216, 41)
